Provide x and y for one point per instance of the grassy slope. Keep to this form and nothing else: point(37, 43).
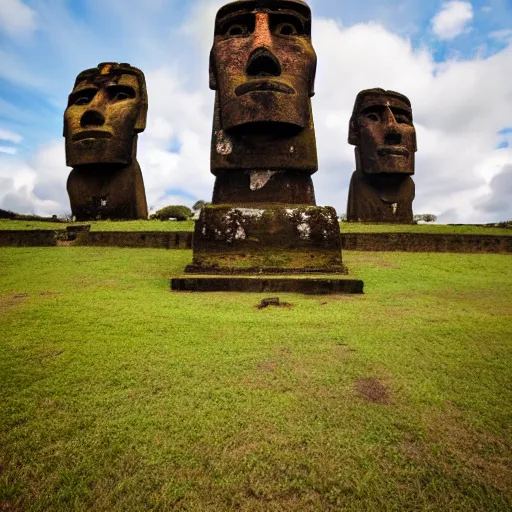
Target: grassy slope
point(346, 227)
point(132, 225)
point(116, 394)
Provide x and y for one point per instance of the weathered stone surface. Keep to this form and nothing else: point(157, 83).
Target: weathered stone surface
point(405, 242)
point(229, 239)
point(262, 67)
point(137, 239)
point(263, 217)
point(309, 286)
point(28, 238)
point(106, 111)
point(382, 129)
point(263, 187)
point(427, 242)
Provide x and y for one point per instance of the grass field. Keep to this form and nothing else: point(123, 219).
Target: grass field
point(131, 225)
point(119, 395)
point(346, 227)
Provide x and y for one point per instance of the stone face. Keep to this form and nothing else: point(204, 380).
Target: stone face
point(106, 111)
point(263, 217)
point(382, 129)
point(262, 67)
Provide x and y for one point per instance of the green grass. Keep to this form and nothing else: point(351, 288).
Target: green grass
point(346, 227)
point(106, 225)
point(441, 229)
point(117, 394)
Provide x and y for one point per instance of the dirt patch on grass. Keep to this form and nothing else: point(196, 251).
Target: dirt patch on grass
point(373, 391)
point(274, 302)
point(6, 506)
point(11, 301)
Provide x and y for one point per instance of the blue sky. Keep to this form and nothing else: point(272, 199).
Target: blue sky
point(453, 59)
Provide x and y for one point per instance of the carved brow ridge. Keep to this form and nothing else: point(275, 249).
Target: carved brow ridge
point(91, 90)
point(379, 107)
point(95, 87)
point(242, 12)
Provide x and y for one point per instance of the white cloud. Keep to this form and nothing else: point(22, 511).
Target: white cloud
point(10, 136)
point(504, 35)
point(15, 71)
point(37, 185)
point(8, 150)
point(459, 107)
point(500, 192)
point(16, 18)
point(452, 19)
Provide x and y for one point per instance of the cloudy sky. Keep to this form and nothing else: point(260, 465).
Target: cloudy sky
point(453, 59)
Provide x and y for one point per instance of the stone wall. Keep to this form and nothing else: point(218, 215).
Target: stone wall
point(406, 242)
point(153, 240)
point(28, 238)
point(426, 242)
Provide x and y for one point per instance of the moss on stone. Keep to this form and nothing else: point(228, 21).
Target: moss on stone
point(275, 237)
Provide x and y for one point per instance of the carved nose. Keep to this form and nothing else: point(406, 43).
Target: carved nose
point(263, 63)
point(393, 138)
point(92, 118)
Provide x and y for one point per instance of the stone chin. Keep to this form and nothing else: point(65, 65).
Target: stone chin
point(98, 151)
point(283, 108)
point(397, 165)
point(385, 162)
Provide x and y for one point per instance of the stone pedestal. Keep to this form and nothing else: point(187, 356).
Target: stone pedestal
point(271, 239)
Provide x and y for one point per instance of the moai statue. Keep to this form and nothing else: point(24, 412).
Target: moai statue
point(106, 111)
point(262, 67)
point(263, 214)
point(382, 129)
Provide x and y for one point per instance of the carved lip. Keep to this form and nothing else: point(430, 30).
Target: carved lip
point(91, 134)
point(385, 150)
point(263, 85)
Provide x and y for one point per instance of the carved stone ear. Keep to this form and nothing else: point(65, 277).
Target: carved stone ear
point(213, 73)
point(415, 142)
point(312, 80)
point(140, 122)
point(353, 135)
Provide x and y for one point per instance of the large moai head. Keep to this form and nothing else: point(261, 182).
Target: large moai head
point(263, 64)
point(262, 68)
point(382, 129)
point(106, 110)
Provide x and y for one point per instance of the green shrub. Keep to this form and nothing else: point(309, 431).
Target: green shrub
point(177, 212)
point(6, 214)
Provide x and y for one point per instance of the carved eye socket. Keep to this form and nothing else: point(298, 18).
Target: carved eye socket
point(286, 29)
point(403, 119)
point(373, 116)
point(82, 97)
point(120, 93)
point(121, 96)
point(237, 29)
point(83, 100)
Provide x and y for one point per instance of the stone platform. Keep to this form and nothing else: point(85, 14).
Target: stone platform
point(281, 239)
point(309, 285)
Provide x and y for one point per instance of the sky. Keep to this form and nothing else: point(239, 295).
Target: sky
point(452, 58)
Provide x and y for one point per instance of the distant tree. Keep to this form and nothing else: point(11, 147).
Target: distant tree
point(199, 205)
point(6, 214)
point(177, 212)
point(342, 217)
point(425, 217)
